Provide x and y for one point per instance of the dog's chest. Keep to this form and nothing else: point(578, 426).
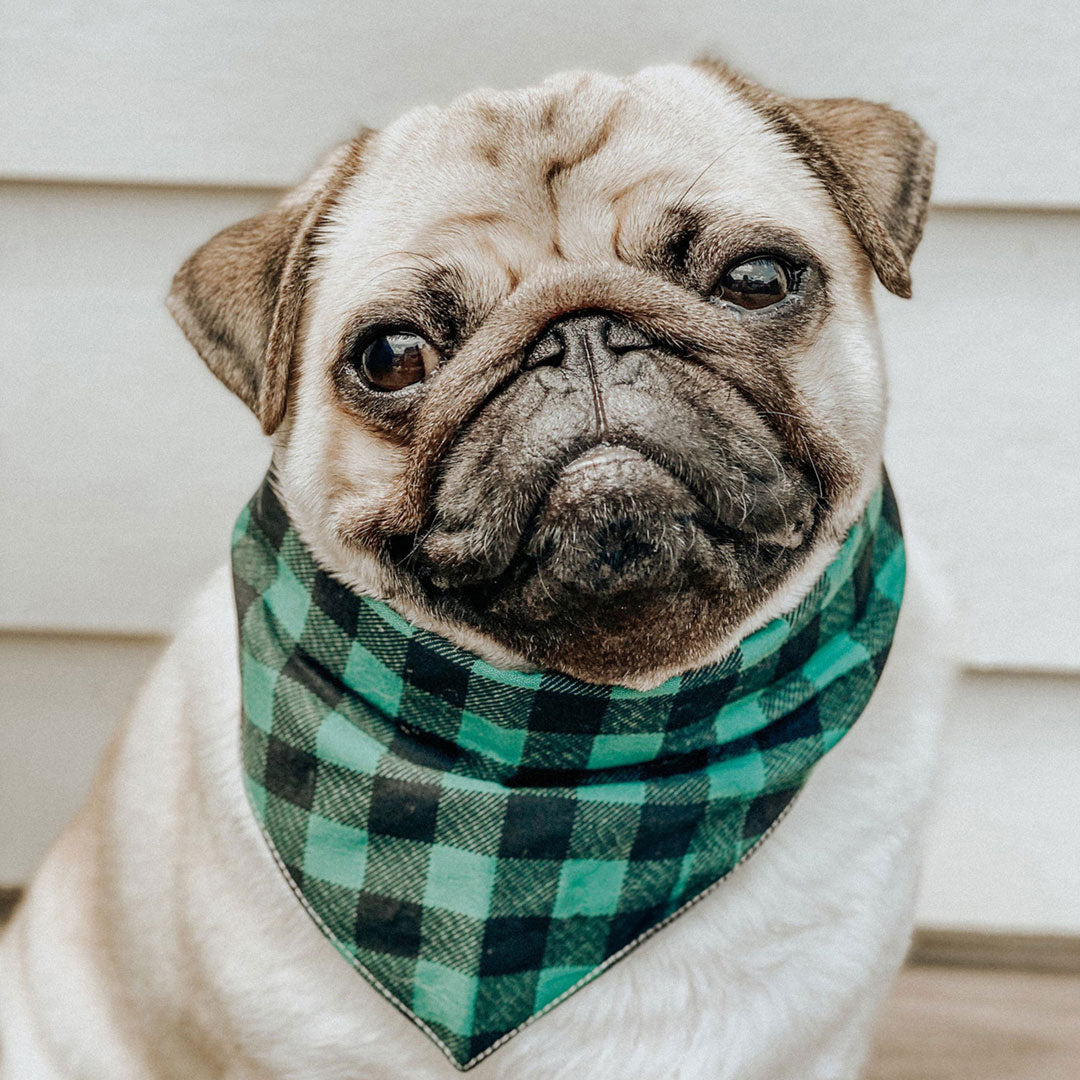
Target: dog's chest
point(482, 844)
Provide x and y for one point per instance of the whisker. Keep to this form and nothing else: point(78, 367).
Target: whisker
point(723, 153)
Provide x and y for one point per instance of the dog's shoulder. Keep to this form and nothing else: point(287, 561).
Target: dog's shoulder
point(204, 652)
point(196, 681)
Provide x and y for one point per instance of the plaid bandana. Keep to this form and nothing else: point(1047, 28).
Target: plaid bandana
point(480, 843)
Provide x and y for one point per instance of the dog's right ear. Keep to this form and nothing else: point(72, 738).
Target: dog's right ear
point(238, 299)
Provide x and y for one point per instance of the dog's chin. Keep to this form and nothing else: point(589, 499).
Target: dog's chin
point(619, 573)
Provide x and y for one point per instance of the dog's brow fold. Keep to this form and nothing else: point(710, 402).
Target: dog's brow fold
point(680, 227)
point(441, 292)
point(438, 295)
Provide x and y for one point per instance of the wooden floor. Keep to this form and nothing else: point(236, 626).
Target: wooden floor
point(956, 1023)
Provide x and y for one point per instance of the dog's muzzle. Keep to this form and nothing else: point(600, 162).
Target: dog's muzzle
point(600, 470)
point(614, 520)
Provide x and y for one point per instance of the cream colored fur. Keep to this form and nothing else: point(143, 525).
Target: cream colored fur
point(159, 940)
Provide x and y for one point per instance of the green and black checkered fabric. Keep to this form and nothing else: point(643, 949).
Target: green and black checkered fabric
point(478, 842)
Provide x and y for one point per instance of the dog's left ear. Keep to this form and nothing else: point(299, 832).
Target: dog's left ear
point(876, 163)
point(238, 299)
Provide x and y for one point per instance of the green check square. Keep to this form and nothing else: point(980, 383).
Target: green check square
point(736, 778)
point(381, 686)
point(610, 751)
point(289, 601)
point(335, 852)
point(256, 794)
point(341, 742)
point(889, 580)
point(444, 996)
point(740, 718)
point(833, 659)
point(589, 887)
point(764, 642)
point(502, 743)
point(554, 982)
point(257, 682)
point(629, 793)
point(460, 881)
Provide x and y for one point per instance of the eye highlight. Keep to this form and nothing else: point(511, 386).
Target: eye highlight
point(392, 360)
point(756, 282)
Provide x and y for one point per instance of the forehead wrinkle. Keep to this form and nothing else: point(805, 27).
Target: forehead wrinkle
point(622, 209)
point(462, 224)
point(656, 176)
point(562, 163)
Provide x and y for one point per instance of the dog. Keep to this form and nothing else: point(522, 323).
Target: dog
point(582, 379)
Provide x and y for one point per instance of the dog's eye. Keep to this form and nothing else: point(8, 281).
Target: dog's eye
point(755, 283)
point(396, 360)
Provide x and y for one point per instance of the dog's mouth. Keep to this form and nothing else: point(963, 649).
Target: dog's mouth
point(607, 523)
point(617, 520)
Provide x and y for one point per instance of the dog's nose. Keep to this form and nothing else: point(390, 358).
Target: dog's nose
point(592, 344)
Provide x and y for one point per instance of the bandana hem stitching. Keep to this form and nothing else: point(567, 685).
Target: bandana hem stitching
point(503, 1039)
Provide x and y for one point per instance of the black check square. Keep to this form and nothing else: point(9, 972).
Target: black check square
point(764, 811)
point(513, 944)
point(626, 926)
point(863, 581)
point(675, 765)
point(802, 722)
point(304, 671)
point(691, 705)
point(273, 522)
point(556, 712)
point(403, 808)
point(245, 595)
point(537, 827)
point(291, 774)
point(338, 604)
point(431, 673)
point(799, 648)
point(665, 832)
point(422, 748)
point(387, 925)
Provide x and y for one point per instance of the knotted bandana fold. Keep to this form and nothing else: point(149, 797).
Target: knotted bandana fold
point(479, 843)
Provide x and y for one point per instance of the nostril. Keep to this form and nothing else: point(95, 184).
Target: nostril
point(549, 350)
point(620, 337)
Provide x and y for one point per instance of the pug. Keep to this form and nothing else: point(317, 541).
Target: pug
point(582, 383)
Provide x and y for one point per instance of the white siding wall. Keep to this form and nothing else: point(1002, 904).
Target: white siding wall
point(130, 132)
point(197, 91)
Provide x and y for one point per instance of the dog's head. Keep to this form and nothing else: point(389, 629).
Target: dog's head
point(584, 376)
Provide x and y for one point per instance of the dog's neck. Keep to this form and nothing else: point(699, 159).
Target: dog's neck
point(398, 779)
point(360, 572)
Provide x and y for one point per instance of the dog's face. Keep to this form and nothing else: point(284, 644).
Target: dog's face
point(584, 376)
